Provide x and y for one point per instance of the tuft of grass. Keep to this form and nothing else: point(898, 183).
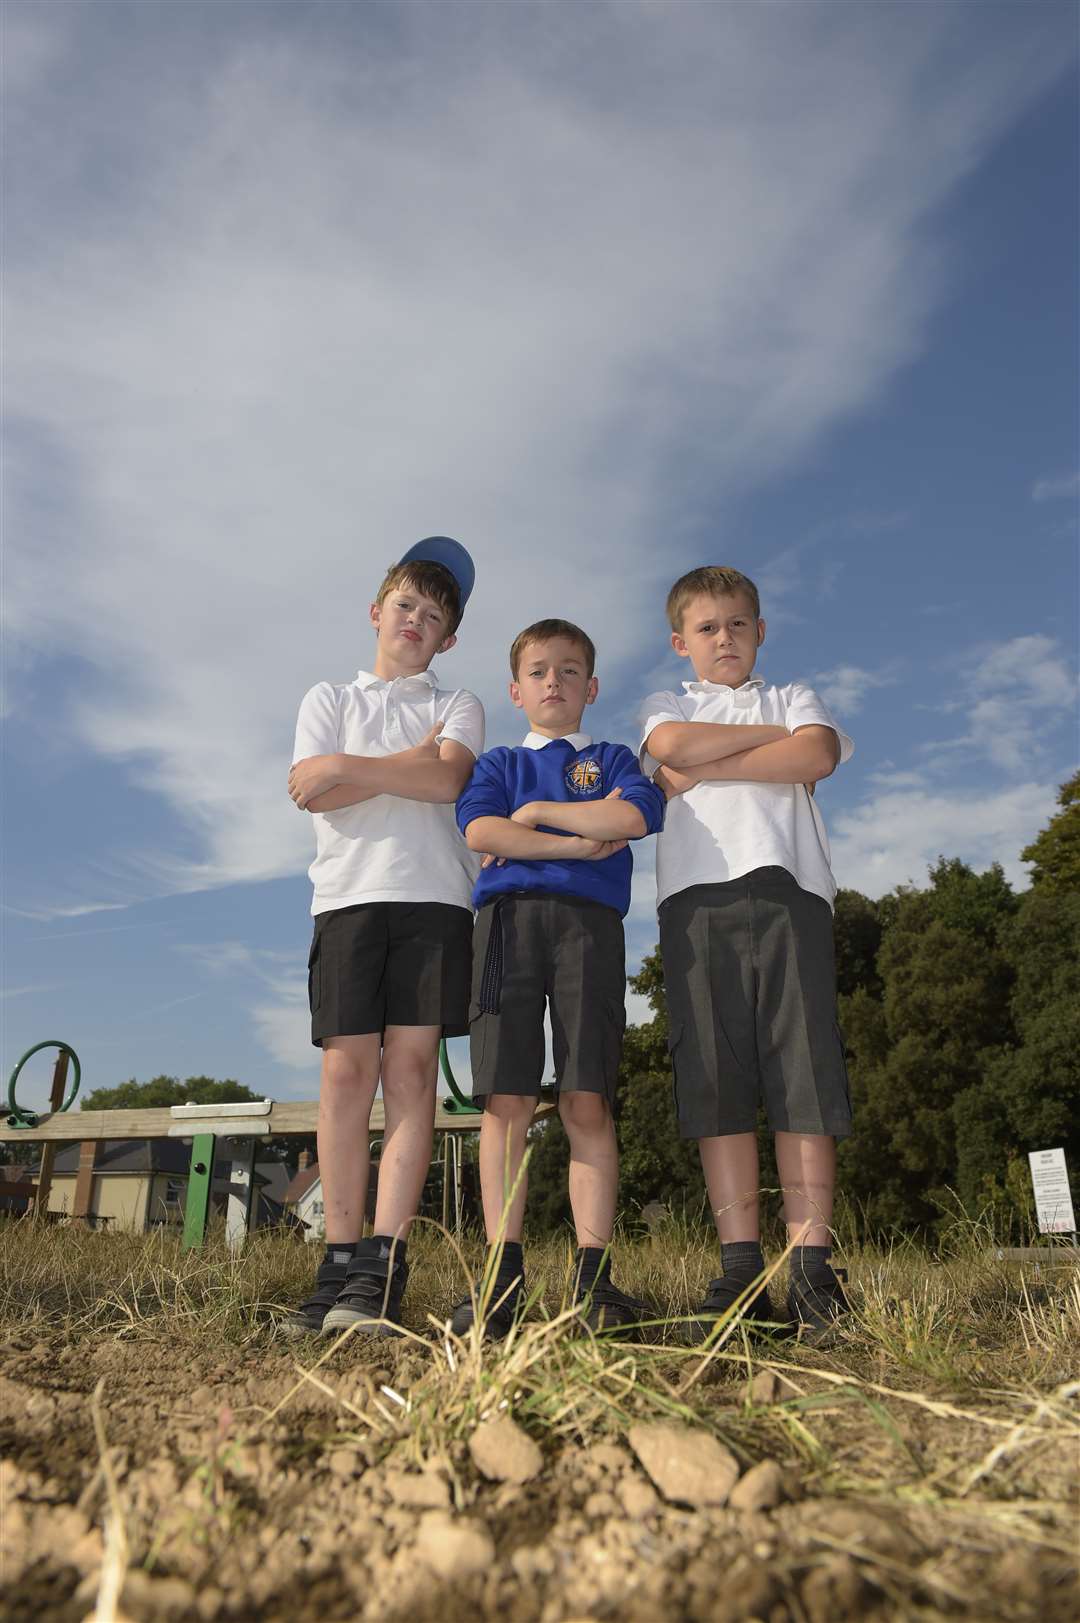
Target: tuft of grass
point(966, 1342)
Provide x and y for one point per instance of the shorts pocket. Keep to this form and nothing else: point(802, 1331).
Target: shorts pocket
point(314, 973)
point(478, 1024)
point(843, 1062)
point(675, 1037)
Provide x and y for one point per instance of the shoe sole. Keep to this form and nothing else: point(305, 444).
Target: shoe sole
point(340, 1319)
point(284, 1327)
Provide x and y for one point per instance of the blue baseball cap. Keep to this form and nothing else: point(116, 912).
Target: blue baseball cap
point(442, 549)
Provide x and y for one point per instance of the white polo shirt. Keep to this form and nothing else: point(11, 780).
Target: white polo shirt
point(719, 831)
point(388, 849)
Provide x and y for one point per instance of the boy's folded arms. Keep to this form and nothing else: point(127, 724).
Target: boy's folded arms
point(805, 756)
point(435, 771)
point(690, 743)
point(505, 837)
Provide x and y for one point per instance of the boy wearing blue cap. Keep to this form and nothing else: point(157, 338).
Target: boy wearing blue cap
point(379, 762)
point(557, 814)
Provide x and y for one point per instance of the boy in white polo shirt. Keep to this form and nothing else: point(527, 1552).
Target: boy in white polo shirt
point(379, 762)
point(745, 893)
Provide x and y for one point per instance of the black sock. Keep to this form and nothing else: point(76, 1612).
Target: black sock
point(742, 1259)
point(812, 1262)
point(340, 1251)
point(380, 1248)
point(511, 1267)
point(592, 1262)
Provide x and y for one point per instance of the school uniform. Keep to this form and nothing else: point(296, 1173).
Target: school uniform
point(745, 892)
point(392, 878)
point(550, 932)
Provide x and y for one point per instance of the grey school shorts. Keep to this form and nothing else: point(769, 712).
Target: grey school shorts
point(750, 978)
point(380, 964)
point(561, 951)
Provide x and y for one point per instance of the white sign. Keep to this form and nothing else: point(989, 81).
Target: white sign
point(1053, 1202)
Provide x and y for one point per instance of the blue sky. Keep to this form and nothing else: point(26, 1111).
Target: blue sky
point(605, 292)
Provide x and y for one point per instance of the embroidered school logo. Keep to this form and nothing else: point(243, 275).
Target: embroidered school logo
point(583, 777)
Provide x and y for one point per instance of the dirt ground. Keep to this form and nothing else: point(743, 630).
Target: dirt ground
point(221, 1509)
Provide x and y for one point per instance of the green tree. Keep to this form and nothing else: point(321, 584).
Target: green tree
point(1054, 854)
point(857, 932)
point(162, 1092)
point(944, 1014)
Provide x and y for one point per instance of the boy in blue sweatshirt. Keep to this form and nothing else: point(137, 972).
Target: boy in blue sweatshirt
point(554, 818)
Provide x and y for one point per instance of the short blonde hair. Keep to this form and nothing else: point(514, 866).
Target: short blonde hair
point(543, 631)
point(430, 580)
point(711, 580)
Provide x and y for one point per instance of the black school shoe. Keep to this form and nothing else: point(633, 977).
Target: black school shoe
point(307, 1319)
point(605, 1307)
point(814, 1306)
point(500, 1318)
point(758, 1313)
point(371, 1293)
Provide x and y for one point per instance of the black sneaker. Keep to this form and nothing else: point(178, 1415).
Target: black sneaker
point(757, 1313)
point(500, 1318)
point(372, 1292)
point(813, 1307)
point(606, 1307)
point(307, 1319)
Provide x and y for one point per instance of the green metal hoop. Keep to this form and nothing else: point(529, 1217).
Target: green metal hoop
point(458, 1105)
point(17, 1116)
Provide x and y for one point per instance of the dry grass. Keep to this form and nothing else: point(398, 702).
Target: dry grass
point(968, 1337)
point(950, 1403)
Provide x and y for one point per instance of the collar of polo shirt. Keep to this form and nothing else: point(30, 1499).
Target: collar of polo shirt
point(368, 679)
point(537, 741)
point(717, 687)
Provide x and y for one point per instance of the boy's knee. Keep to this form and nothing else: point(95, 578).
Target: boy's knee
point(351, 1062)
point(584, 1110)
point(510, 1107)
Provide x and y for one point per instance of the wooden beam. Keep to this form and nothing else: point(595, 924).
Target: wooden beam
point(287, 1117)
point(48, 1154)
point(83, 1202)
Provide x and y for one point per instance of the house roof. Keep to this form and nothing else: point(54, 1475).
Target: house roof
point(276, 1176)
point(303, 1181)
point(135, 1155)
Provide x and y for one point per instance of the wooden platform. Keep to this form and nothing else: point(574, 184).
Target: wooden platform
point(285, 1116)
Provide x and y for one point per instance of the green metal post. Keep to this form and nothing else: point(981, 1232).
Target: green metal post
point(197, 1205)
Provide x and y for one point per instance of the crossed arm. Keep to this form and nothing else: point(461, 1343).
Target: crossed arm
point(428, 771)
point(593, 830)
point(692, 752)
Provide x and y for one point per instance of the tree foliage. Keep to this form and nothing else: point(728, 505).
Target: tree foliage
point(162, 1092)
point(1055, 853)
point(960, 1006)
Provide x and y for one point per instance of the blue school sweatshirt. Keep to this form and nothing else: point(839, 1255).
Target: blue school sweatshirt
point(504, 779)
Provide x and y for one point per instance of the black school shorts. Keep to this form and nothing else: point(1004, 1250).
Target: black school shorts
point(750, 979)
point(562, 952)
point(382, 964)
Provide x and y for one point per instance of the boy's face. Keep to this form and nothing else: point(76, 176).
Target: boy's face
point(411, 629)
point(720, 637)
point(553, 686)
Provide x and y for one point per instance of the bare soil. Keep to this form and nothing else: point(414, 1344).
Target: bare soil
point(230, 1511)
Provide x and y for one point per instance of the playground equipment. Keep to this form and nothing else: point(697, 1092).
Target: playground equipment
point(231, 1128)
point(458, 1103)
point(17, 1117)
point(19, 1120)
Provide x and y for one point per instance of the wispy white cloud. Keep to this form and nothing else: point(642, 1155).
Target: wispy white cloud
point(47, 913)
point(895, 835)
point(845, 687)
point(1011, 699)
point(28, 991)
point(353, 285)
point(1056, 490)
